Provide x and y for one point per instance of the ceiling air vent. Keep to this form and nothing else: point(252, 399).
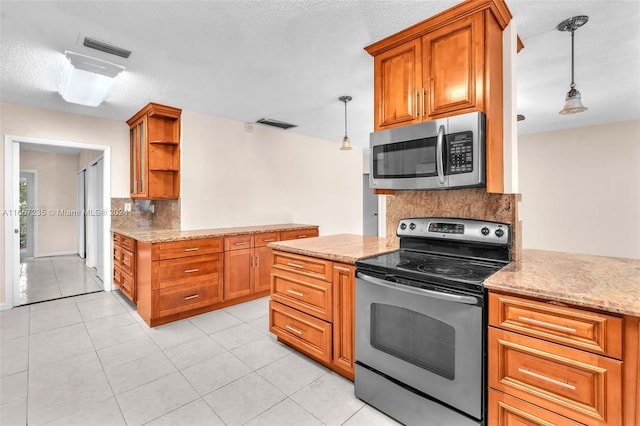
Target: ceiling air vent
point(106, 47)
point(276, 123)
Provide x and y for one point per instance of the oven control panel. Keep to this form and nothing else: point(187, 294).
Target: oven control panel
point(468, 230)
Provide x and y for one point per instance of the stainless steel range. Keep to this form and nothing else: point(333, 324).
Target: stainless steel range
point(421, 321)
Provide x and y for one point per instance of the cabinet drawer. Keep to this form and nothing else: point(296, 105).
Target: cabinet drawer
point(298, 233)
point(172, 272)
point(127, 243)
point(185, 297)
point(505, 410)
point(576, 384)
point(263, 239)
point(117, 275)
point(127, 286)
point(308, 295)
point(304, 265)
point(128, 262)
point(238, 242)
point(590, 331)
point(308, 334)
point(117, 254)
point(186, 248)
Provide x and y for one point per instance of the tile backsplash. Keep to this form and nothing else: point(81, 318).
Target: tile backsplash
point(461, 203)
point(159, 214)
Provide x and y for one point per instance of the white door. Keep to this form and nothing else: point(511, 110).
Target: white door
point(99, 165)
point(81, 213)
point(28, 204)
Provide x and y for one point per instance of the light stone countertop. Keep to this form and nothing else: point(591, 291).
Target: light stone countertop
point(610, 284)
point(151, 235)
point(345, 248)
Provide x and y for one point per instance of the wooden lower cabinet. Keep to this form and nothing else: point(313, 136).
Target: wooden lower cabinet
point(124, 265)
point(178, 279)
point(247, 262)
point(565, 362)
point(312, 308)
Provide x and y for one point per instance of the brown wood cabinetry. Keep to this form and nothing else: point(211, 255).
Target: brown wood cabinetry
point(155, 152)
point(124, 265)
point(448, 64)
point(178, 279)
point(311, 308)
point(247, 261)
point(566, 363)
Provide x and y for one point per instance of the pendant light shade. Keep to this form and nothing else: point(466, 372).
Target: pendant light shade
point(346, 143)
point(573, 99)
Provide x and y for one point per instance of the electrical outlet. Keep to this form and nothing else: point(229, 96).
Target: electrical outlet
point(127, 207)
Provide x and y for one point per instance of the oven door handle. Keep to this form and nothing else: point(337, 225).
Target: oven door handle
point(455, 298)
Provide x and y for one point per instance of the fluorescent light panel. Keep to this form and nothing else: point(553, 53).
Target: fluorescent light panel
point(87, 80)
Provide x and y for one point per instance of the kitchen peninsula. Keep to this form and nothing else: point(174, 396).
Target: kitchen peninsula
point(173, 274)
point(574, 317)
point(312, 303)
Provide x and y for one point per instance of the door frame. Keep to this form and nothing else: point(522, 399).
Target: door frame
point(11, 203)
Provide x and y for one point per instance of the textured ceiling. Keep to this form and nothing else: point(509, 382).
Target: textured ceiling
point(291, 60)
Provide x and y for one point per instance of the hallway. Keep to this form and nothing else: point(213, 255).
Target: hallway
point(48, 278)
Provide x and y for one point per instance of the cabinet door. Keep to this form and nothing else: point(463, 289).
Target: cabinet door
point(453, 67)
point(139, 159)
point(344, 318)
point(263, 261)
point(397, 86)
point(238, 273)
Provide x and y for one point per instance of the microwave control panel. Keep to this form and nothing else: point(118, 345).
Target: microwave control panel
point(460, 152)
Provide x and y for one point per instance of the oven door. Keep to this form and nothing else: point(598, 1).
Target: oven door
point(426, 338)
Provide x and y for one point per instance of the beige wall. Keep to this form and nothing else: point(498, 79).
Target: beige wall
point(57, 195)
point(86, 157)
point(581, 190)
point(231, 177)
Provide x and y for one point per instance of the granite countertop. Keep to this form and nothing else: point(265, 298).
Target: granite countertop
point(607, 283)
point(151, 235)
point(345, 248)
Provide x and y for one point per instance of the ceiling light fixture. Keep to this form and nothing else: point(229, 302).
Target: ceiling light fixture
point(346, 143)
point(87, 80)
point(573, 102)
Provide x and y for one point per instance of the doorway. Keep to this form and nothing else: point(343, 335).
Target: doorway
point(12, 223)
point(28, 222)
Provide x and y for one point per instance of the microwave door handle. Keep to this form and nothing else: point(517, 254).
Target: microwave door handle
point(439, 157)
point(455, 298)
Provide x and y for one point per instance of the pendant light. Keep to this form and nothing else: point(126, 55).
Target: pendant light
point(573, 102)
point(346, 143)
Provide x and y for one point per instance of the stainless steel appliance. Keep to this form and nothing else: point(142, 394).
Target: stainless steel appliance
point(440, 154)
point(421, 321)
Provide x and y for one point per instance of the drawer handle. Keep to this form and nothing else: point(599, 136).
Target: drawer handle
point(189, 271)
point(302, 236)
point(548, 379)
point(296, 265)
point(269, 240)
point(192, 249)
point(126, 262)
point(241, 243)
point(192, 297)
point(547, 324)
point(340, 268)
point(297, 293)
point(295, 330)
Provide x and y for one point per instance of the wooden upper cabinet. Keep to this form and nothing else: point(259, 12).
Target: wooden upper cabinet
point(446, 65)
point(155, 152)
point(453, 72)
point(398, 75)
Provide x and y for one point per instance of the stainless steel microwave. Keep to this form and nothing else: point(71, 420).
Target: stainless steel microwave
point(440, 154)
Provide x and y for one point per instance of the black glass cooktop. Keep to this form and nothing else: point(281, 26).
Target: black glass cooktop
point(423, 265)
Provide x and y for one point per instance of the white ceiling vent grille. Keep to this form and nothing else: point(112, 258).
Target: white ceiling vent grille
point(106, 47)
point(276, 123)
